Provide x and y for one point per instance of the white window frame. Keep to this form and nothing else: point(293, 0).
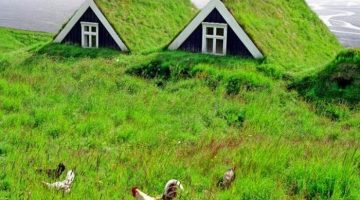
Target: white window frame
point(215, 37)
point(90, 34)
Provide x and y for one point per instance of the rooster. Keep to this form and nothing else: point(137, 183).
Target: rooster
point(227, 179)
point(53, 173)
point(170, 192)
point(64, 185)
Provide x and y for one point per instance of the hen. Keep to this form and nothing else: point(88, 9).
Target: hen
point(64, 185)
point(227, 179)
point(170, 192)
point(53, 173)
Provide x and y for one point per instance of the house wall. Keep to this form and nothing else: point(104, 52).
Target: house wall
point(105, 39)
point(234, 45)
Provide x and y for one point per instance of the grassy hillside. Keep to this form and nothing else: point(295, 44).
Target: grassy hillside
point(288, 32)
point(339, 81)
point(147, 25)
point(140, 120)
point(14, 39)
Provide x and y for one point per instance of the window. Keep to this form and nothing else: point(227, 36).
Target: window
point(89, 35)
point(214, 38)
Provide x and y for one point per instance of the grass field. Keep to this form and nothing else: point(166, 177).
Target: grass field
point(142, 119)
point(12, 40)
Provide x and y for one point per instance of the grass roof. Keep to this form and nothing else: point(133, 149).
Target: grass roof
point(288, 32)
point(147, 25)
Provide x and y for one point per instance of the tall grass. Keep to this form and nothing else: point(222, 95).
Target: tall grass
point(119, 129)
point(338, 82)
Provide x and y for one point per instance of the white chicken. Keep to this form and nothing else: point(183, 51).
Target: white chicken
point(170, 192)
point(64, 185)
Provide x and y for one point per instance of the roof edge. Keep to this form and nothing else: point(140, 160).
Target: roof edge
point(79, 13)
point(229, 18)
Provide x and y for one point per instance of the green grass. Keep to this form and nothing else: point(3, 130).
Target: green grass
point(339, 81)
point(142, 119)
point(14, 39)
point(147, 25)
point(288, 32)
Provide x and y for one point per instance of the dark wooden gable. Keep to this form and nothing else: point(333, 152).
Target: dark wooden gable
point(234, 45)
point(105, 39)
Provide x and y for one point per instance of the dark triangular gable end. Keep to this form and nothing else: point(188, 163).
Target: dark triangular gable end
point(90, 12)
point(234, 45)
point(105, 39)
point(238, 41)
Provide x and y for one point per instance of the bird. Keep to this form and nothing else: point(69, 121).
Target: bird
point(170, 192)
point(227, 179)
point(64, 185)
point(53, 173)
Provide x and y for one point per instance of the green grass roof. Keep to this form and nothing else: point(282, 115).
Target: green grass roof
point(288, 32)
point(147, 25)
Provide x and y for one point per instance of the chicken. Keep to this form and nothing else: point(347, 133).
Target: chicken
point(227, 179)
point(139, 195)
point(64, 185)
point(170, 192)
point(53, 173)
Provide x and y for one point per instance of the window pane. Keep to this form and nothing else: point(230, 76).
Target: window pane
point(93, 29)
point(220, 46)
point(86, 40)
point(209, 45)
point(93, 41)
point(220, 31)
point(86, 28)
point(209, 31)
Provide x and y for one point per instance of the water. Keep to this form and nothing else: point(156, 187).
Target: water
point(341, 16)
point(37, 15)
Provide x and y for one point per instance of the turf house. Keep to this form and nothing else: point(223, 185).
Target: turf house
point(215, 31)
point(245, 29)
point(90, 29)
